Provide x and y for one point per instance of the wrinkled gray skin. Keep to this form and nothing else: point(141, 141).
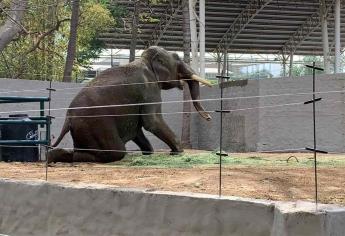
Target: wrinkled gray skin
point(149, 74)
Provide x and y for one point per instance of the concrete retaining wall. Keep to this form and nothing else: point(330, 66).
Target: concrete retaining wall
point(43, 209)
point(265, 129)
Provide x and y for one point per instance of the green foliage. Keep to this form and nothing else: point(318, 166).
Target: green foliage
point(117, 11)
point(147, 18)
point(93, 18)
point(26, 59)
point(260, 74)
point(168, 161)
point(301, 70)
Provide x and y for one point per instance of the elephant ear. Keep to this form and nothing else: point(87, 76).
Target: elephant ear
point(160, 70)
point(163, 73)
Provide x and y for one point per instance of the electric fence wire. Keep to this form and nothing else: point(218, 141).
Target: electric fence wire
point(162, 82)
point(144, 104)
point(183, 101)
point(159, 113)
point(140, 151)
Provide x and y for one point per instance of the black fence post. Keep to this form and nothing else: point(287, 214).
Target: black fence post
point(221, 77)
point(48, 136)
point(315, 150)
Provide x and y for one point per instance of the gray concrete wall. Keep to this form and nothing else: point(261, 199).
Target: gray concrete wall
point(44, 209)
point(291, 126)
point(277, 128)
point(286, 127)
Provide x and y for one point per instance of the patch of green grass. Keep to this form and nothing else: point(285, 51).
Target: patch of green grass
point(206, 159)
point(185, 160)
point(166, 160)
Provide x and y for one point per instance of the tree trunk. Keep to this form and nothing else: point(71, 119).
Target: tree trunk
point(134, 31)
point(193, 35)
point(52, 10)
point(12, 25)
point(72, 44)
point(185, 137)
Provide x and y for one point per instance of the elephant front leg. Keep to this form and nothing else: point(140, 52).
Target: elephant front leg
point(143, 143)
point(159, 128)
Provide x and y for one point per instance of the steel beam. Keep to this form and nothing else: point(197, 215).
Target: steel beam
point(251, 10)
point(164, 22)
point(23, 142)
point(302, 33)
point(17, 99)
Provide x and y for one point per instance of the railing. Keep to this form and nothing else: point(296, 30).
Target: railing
point(42, 120)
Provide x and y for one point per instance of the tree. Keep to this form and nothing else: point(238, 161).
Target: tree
point(185, 137)
point(134, 30)
point(39, 50)
point(12, 25)
point(302, 70)
point(72, 44)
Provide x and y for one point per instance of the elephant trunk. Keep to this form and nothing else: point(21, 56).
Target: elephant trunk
point(195, 94)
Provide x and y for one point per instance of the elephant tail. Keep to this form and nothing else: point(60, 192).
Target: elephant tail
point(64, 131)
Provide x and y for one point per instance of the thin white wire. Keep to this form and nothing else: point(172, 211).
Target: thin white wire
point(129, 84)
point(167, 151)
point(200, 100)
point(170, 102)
point(134, 114)
point(195, 112)
point(138, 151)
point(182, 112)
point(115, 85)
point(134, 104)
point(282, 150)
point(93, 87)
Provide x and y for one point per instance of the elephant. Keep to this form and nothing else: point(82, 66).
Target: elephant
point(115, 107)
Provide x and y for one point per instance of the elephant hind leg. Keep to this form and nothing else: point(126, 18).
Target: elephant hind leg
point(79, 156)
point(60, 155)
point(143, 143)
point(99, 144)
point(99, 156)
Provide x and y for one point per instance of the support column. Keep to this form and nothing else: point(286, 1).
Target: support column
point(225, 54)
point(194, 36)
point(202, 37)
point(325, 41)
point(111, 58)
point(337, 36)
point(291, 64)
point(219, 61)
point(284, 65)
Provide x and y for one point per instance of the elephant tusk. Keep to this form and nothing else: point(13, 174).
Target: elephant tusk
point(201, 80)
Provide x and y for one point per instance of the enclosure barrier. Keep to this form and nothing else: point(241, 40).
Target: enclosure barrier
point(42, 208)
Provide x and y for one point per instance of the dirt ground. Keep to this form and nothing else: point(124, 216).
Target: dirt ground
point(264, 182)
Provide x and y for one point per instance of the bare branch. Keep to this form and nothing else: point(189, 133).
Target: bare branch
point(50, 51)
point(12, 25)
point(42, 35)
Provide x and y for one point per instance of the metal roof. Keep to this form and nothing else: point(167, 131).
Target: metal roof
point(248, 26)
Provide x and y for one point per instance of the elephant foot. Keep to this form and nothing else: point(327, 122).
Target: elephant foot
point(59, 155)
point(176, 152)
point(147, 153)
